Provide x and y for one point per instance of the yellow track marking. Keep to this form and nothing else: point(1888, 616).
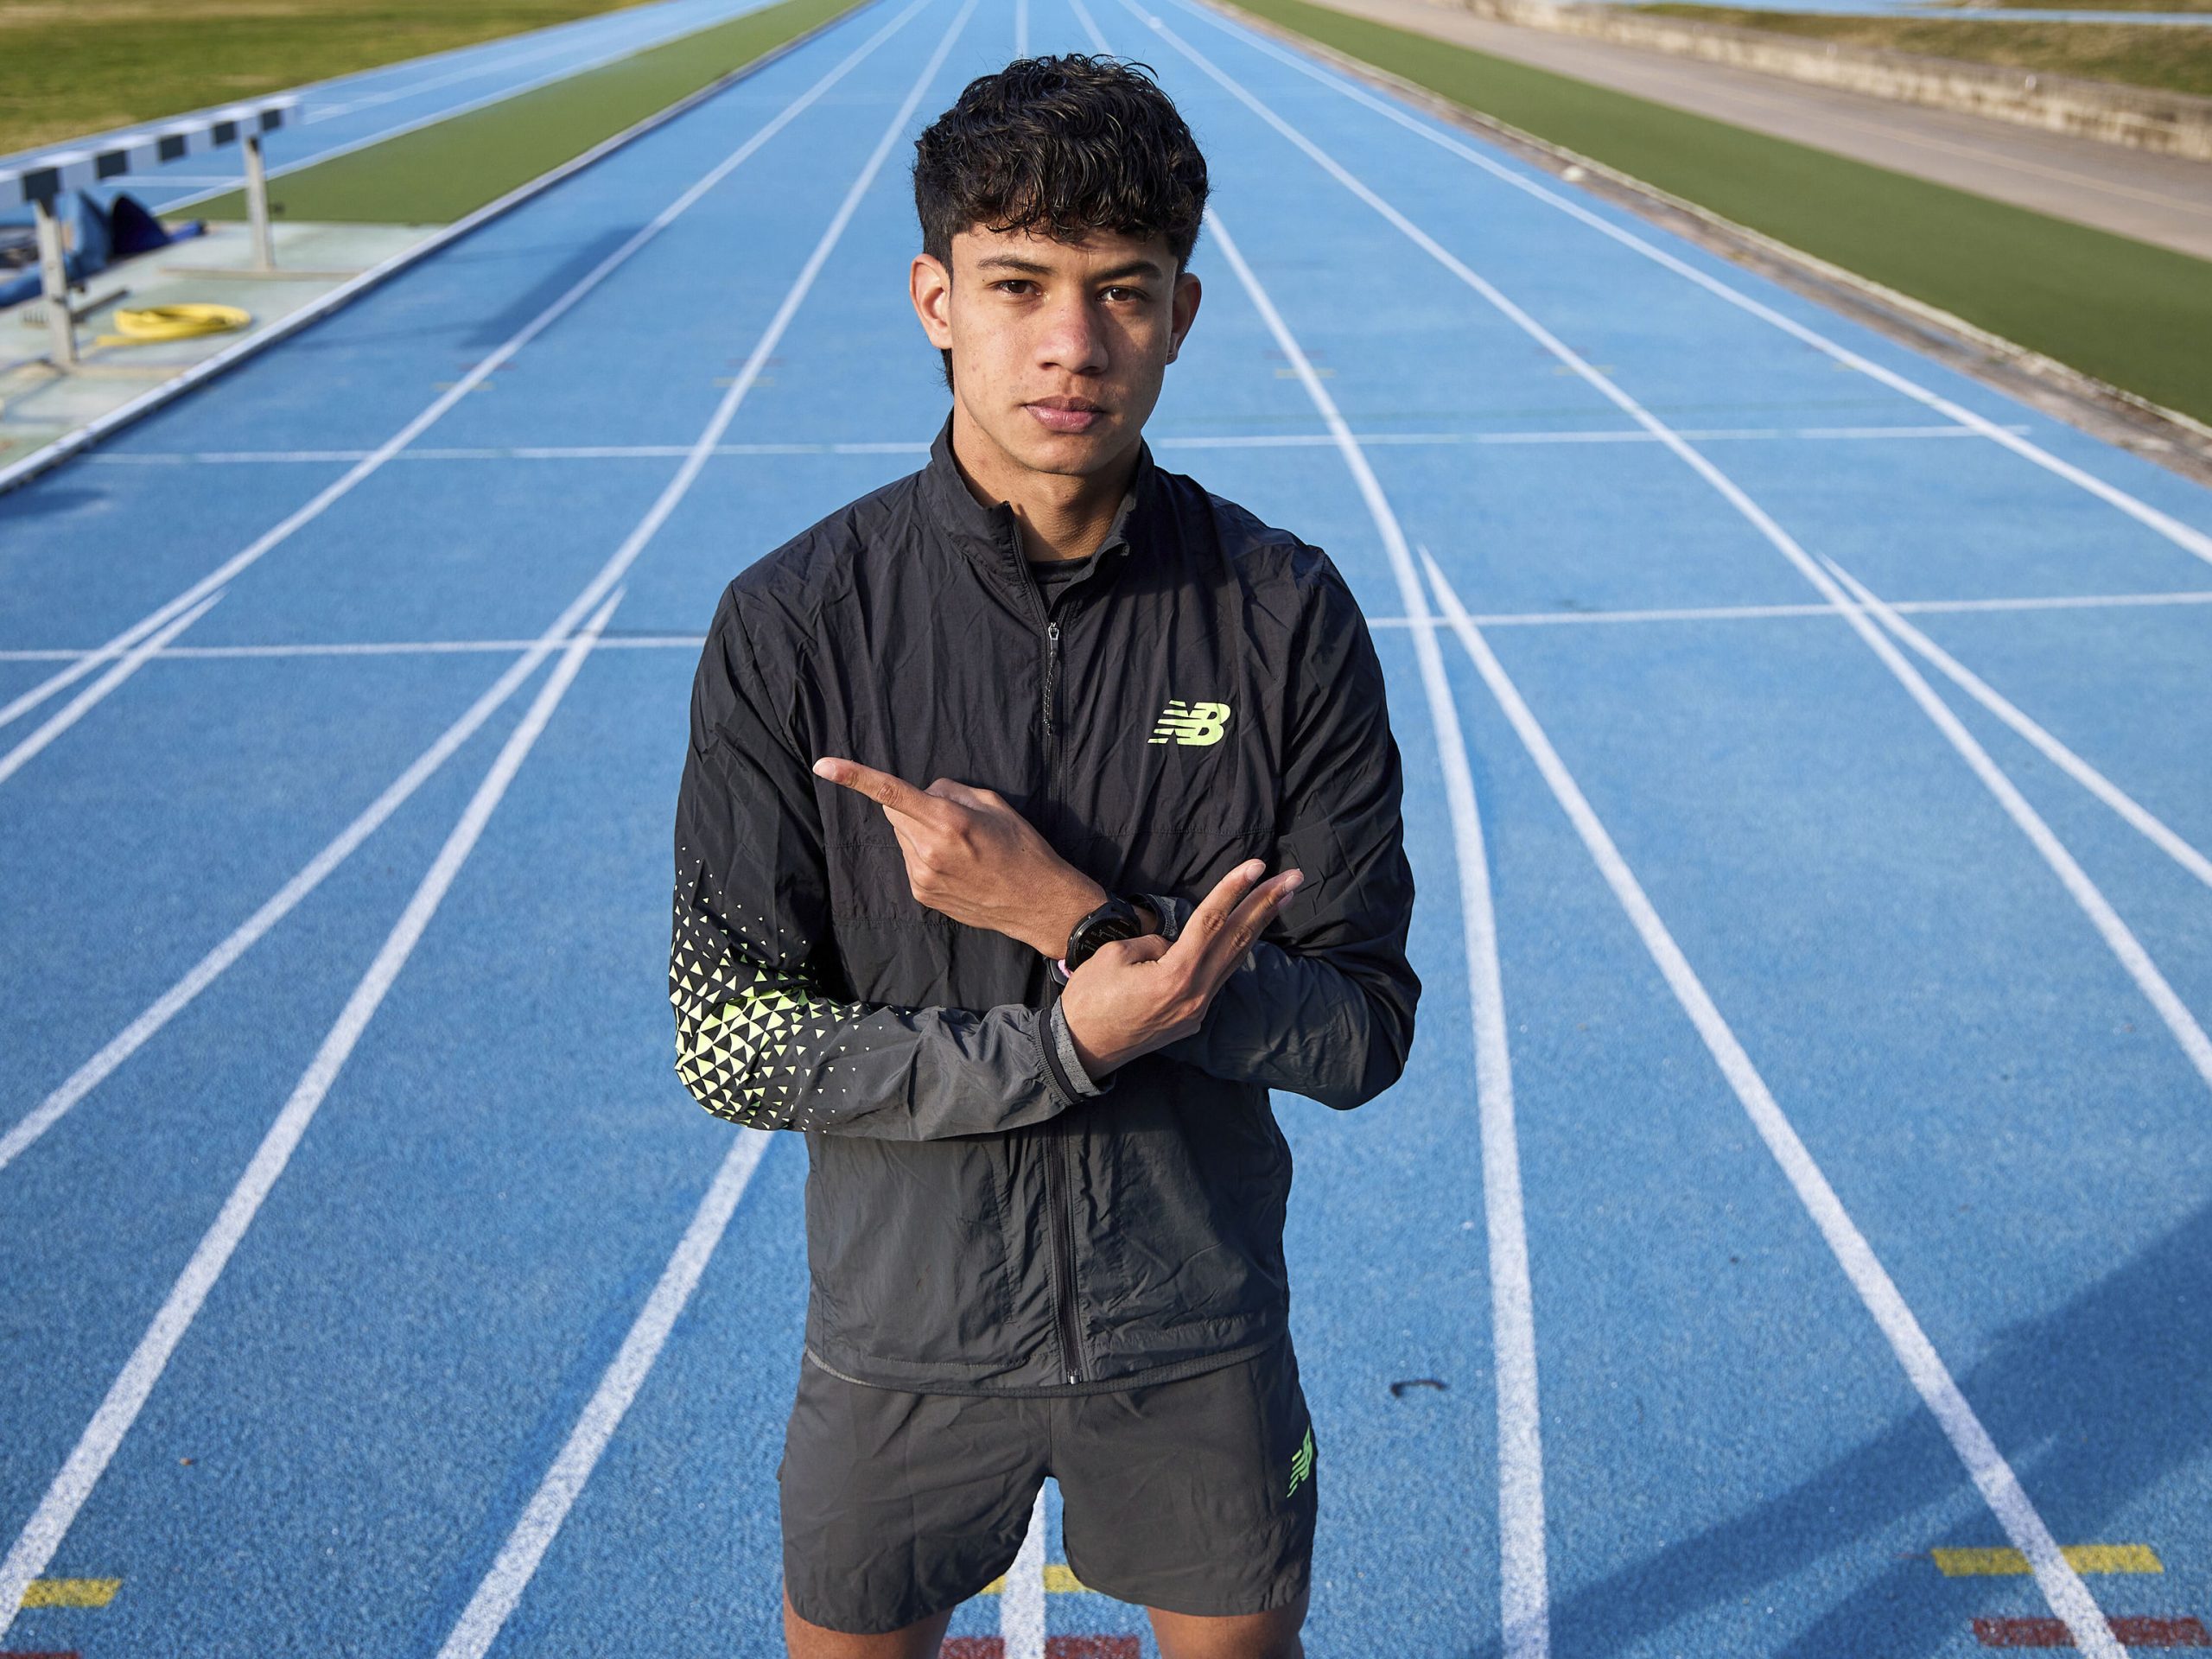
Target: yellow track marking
point(1056, 1578)
point(2082, 1558)
point(71, 1592)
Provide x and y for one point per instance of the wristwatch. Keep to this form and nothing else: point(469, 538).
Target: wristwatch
point(1116, 918)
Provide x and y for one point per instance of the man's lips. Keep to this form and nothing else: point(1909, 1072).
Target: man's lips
point(1065, 414)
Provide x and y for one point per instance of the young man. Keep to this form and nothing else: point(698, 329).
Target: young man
point(1028, 1017)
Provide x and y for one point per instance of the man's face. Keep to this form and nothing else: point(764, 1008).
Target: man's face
point(1057, 348)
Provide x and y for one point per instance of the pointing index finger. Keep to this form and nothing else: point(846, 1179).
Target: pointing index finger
point(891, 793)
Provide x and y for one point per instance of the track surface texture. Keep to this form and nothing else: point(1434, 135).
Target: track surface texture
point(1791, 1235)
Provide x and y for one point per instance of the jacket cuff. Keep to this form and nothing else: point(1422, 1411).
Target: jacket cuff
point(1062, 1064)
point(1171, 912)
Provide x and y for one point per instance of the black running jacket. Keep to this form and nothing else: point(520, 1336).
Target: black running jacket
point(981, 1216)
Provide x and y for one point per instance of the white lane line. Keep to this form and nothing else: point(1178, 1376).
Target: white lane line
point(2138, 817)
point(1497, 620)
point(42, 1535)
point(501, 63)
point(89, 1076)
point(582, 34)
point(1759, 613)
point(2187, 537)
point(1021, 1599)
point(504, 1584)
point(398, 130)
point(1770, 613)
point(375, 648)
point(468, 381)
point(311, 875)
point(906, 447)
point(2124, 947)
point(126, 665)
point(1524, 1578)
point(1570, 436)
point(1522, 1568)
point(1501, 620)
point(497, 1597)
point(1523, 1571)
point(1999, 1487)
point(320, 112)
point(2062, 1586)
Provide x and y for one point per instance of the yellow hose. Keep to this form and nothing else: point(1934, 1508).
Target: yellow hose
point(142, 324)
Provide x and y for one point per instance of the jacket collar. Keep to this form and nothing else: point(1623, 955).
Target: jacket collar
point(989, 536)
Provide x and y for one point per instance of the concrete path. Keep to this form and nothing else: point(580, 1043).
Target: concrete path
point(2160, 198)
point(39, 405)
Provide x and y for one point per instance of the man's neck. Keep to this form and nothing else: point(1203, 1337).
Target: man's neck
point(1061, 517)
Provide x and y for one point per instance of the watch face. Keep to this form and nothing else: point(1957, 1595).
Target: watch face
point(1115, 919)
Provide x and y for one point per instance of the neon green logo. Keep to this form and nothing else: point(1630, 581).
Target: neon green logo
point(1197, 724)
point(1301, 1461)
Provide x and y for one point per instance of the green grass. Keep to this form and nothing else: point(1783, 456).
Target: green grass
point(439, 173)
point(2174, 58)
point(91, 65)
point(2087, 6)
point(2138, 316)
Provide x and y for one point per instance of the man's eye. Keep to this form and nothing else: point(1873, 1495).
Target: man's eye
point(1133, 293)
point(1010, 283)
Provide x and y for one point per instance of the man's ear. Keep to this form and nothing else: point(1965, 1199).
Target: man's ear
point(929, 285)
point(1185, 312)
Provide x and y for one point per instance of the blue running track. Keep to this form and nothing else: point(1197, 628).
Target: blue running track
point(351, 111)
point(1803, 1168)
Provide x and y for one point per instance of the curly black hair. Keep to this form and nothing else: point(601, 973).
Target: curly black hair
point(1066, 144)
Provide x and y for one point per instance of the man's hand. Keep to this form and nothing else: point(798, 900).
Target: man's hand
point(1133, 995)
point(975, 859)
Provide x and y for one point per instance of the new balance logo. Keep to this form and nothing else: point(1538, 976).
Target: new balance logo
point(1301, 1461)
point(1196, 724)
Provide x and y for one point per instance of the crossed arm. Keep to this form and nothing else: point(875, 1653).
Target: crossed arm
point(761, 1038)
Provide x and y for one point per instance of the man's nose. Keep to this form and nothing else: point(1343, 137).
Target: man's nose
point(1073, 338)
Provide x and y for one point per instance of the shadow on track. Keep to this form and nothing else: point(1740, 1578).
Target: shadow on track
point(2091, 1403)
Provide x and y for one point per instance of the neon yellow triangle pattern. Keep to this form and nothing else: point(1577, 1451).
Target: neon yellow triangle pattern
point(750, 1033)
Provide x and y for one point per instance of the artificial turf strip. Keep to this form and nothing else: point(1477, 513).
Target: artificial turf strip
point(2138, 316)
point(69, 70)
point(447, 170)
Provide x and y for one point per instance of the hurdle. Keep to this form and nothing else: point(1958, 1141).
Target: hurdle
point(40, 183)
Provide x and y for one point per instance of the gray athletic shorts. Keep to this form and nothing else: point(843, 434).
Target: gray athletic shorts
point(1194, 1497)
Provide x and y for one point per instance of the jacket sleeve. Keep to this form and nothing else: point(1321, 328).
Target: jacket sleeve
point(1322, 1003)
point(761, 1037)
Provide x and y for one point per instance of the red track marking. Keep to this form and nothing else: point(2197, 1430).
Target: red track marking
point(1055, 1647)
point(2131, 1632)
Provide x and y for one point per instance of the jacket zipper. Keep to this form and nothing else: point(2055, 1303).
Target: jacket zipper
point(1052, 685)
point(1056, 1174)
point(1063, 1251)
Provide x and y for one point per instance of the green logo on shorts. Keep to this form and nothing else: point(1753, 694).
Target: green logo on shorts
point(1301, 1461)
